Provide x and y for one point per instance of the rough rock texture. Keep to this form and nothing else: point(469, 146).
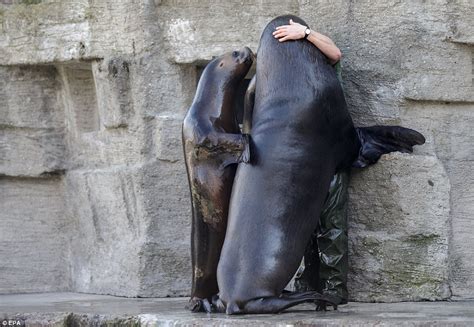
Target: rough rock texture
point(33, 235)
point(448, 128)
point(31, 121)
point(399, 230)
point(92, 95)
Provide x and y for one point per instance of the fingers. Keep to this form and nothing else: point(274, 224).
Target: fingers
point(288, 32)
point(279, 36)
point(283, 35)
point(280, 33)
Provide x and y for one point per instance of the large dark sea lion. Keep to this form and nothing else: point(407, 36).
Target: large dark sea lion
point(213, 146)
point(301, 135)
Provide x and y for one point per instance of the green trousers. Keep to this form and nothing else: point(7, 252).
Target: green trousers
point(325, 259)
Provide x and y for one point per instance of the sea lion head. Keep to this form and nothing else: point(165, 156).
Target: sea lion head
point(232, 66)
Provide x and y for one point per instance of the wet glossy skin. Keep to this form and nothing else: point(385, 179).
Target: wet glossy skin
point(212, 147)
point(301, 134)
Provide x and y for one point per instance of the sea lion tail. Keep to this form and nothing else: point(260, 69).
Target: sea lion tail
point(378, 140)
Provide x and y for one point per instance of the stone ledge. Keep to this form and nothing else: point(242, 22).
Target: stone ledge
point(77, 309)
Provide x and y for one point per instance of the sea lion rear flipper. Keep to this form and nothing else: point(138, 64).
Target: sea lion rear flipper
point(378, 140)
point(276, 304)
point(199, 305)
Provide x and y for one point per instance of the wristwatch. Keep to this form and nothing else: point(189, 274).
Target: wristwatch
point(307, 32)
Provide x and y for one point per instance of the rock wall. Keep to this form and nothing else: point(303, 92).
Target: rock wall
point(94, 196)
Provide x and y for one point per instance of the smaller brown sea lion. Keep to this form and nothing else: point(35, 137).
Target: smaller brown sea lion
point(213, 146)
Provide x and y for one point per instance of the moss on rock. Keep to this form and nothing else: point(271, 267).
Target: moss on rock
point(31, 2)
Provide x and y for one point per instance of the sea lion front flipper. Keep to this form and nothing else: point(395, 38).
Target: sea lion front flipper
point(234, 148)
point(248, 106)
point(378, 140)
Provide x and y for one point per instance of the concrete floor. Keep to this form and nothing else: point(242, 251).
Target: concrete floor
point(75, 309)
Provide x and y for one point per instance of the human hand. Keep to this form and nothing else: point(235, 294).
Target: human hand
point(294, 31)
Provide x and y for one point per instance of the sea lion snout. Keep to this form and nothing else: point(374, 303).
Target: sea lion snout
point(245, 55)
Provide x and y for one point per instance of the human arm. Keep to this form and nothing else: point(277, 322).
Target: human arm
point(296, 31)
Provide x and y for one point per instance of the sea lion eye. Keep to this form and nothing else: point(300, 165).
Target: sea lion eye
point(221, 64)
point(235, 53)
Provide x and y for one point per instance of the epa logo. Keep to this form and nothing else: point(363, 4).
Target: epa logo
point(13, 322)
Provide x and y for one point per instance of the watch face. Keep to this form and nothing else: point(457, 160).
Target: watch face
point(307, 31)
